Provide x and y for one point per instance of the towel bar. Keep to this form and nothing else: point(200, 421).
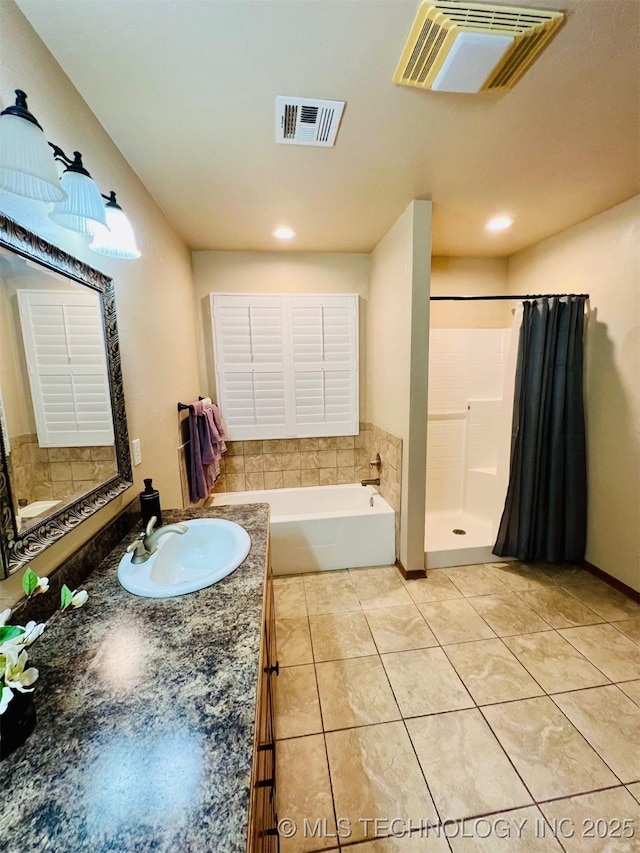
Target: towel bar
point(182, 406)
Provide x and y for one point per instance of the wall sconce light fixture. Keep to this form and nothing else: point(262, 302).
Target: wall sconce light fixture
point(117, 239)
point(26, 165)
point(28, 169)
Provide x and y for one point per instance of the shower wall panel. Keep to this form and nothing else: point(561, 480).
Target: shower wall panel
point(466, 369)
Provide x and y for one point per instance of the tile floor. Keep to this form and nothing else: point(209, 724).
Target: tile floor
point(484, 708)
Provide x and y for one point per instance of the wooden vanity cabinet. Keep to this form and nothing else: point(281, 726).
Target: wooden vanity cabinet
point(263, 833)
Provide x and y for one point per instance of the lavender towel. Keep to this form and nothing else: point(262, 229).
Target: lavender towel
point(207, 447)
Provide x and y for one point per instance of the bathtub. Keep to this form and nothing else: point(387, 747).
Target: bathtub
point(323, 528)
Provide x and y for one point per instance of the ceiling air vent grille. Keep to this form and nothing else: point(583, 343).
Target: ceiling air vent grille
point(466, 47)
point(307, 121)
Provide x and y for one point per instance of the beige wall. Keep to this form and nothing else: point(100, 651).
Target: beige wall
point(14, 380)
point(398, 359)
point(154, 295)
point(469, 277)
point(601, 257)
point(280, 272)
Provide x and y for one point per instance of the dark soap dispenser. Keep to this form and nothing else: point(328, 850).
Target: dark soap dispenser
point(150, 504)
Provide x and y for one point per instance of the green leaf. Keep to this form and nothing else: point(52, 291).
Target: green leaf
point(8, 632)
point(29, 582)
point(65, 597)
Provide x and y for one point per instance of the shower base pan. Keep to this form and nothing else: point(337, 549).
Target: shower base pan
point(444, 548)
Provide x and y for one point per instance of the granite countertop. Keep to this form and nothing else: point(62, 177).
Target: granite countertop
point(145, 714)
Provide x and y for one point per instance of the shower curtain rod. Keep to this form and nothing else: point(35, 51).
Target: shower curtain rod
point(510, 296)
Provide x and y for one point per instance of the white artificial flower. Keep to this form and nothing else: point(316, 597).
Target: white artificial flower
point(5, 697)
point(4, 616)
point(43, 586)
point(31, 632)
point(15, 675)
point(79, 598)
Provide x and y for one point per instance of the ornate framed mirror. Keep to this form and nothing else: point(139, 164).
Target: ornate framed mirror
point(64, 448)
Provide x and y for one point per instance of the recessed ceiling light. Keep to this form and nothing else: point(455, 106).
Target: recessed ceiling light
point(499, 223)
point(284, 233)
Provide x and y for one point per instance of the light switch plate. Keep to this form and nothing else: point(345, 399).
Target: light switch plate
point(136, 451)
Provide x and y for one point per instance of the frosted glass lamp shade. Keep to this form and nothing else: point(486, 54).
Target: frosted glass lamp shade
point(27, 167)
point(118, 239)
point(83, 206)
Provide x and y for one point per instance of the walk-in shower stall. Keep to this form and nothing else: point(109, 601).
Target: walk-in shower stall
point(469, 432)
point(467, 443)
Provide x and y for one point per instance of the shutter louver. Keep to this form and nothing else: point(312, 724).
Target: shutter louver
point(66, 357)
point(286, 365)
point(250, 365)
point(324, 331)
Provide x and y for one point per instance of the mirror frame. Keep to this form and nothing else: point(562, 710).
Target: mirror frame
point(17, 550)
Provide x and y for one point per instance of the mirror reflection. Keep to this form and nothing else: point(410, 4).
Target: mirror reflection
point(62, 411)
point(55, 407)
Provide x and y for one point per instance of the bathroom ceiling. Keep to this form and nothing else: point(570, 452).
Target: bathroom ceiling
point(187, 92)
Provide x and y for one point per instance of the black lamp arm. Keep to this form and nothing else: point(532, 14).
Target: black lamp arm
point(111, 199)
point(74, 165)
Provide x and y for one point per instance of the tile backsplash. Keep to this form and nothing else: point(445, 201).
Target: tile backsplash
point(56, 473)
point(390, 449)
point(291, 462)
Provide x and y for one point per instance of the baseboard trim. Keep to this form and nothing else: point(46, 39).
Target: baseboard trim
point(629, 591)
point(414, 574)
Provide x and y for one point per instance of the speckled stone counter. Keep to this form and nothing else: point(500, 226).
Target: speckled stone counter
point(145, 716)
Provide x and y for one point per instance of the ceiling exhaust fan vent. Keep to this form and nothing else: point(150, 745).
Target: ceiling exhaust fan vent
point(307, 121)
point(468, 47)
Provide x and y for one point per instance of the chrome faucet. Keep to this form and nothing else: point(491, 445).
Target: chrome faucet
point(146, 542)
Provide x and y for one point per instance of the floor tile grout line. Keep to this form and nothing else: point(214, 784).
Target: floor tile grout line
point(443, 645)
point(520, 662)
point(422, 770)
point(528, 607)
point(545, 802)
point(556, 631)
point(402, 720)
point(585, 738)
point(500, 701)
point(509, 759)
point(610, 682)
point(450, 644)
point(598, 620)
point(403, 650)
point(599, 668)
point(475, 706)
point(613, 625)
point(578, 732)
point(607, 592)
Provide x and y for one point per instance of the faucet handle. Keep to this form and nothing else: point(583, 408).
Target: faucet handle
point(149, 528)
point(137, 546)
point(376, 463)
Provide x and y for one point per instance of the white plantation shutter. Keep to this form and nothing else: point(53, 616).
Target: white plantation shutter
point(324, 333)
point(66, 358)
point(250, 348)
point(286, 365)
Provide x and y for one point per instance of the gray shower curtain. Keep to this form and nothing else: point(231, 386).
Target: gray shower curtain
point(545, 513)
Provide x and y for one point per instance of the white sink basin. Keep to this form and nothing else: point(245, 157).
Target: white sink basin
point(210, 550)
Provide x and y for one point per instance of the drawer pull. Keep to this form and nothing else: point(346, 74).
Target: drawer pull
point(265, 783)
point(273, 668)
point(273, 831)
point(263, 747)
